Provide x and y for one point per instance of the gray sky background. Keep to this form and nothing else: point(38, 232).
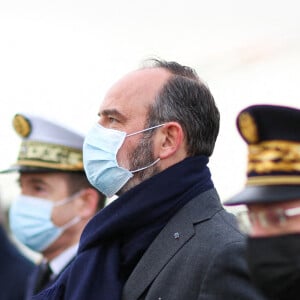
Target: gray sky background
point(58, 57)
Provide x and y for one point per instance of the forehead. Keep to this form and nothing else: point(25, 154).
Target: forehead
point(47, 178)
point(133, 93)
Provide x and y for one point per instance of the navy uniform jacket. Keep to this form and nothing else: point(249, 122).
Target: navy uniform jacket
point(199, 255)
point(15, 269)
point(51, 278)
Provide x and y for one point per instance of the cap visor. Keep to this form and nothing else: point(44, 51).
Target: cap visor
point(27, 169)
point(265, 194)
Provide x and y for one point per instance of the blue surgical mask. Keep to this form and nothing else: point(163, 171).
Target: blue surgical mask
point(30, 221)
point(100, 149)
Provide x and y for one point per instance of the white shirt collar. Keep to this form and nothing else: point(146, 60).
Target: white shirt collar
point(60, 262)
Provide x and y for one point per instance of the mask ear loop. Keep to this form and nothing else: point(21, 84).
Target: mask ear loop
point(72, 222)
point(76, 219)
point(146, 129)
point(140, 131)
point(141, 169)
point(68, 199)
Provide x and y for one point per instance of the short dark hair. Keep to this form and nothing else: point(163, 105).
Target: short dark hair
point(78, 181)
point(187, 100)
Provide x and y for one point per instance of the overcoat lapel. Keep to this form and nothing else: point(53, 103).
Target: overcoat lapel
point(174, 235)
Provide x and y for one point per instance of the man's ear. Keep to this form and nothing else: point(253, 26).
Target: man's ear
point(89, 203)
point(170, 139)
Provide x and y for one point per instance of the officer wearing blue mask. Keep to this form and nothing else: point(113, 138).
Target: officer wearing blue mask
point(272, 198)
point(56, 199)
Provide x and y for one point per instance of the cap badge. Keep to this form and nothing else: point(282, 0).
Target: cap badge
point(247, 127)
point(21, 125)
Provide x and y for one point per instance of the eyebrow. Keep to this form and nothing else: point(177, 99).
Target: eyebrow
point(37, 180)
point(33, 181)
point(112, 112)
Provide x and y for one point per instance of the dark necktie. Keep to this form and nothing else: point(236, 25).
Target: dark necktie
point(42, 278)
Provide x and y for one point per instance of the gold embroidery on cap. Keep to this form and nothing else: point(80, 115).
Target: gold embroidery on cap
point(248, 127)
point(273, 180)
point(45, 155)
point(21, 125)
point(274, 156)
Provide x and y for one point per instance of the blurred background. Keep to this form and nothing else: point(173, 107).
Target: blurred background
point(58, 57)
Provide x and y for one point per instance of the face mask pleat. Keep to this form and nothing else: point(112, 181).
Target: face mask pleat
point(30, 221)
point(100, 150)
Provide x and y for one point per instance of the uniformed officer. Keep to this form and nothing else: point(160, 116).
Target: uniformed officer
point(56, 199)
point(272, 196)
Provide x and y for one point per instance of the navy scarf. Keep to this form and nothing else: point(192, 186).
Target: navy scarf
point(116, 238)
